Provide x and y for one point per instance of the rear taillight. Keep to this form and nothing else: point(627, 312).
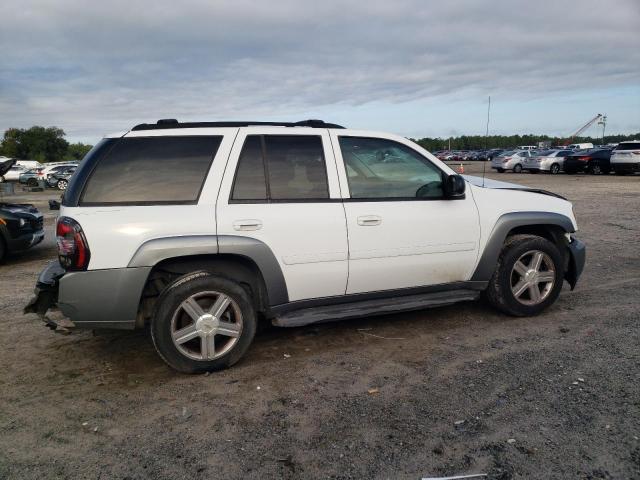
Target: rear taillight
point(506, 159)
point(73, 250)
point(584, 159)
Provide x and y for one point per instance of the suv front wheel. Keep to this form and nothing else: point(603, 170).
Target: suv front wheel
point(202, 323)
point(528, 277)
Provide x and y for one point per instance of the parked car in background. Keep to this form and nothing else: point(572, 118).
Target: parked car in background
point(13, 173)
point(510, 160)
point(29, 164)
point(6, 164)
point(551, 161)
point(56, 167)
point(626, 158)
point(31, 177)
point(21, 227)
point(580, 146)
point(60, 179)
point(593, 160)
point(491, 154)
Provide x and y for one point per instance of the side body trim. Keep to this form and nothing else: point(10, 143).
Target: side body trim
point(507, 222)
point(154, 251)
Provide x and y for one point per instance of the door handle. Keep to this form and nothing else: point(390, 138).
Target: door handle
point(244, 225)
point(369, 220)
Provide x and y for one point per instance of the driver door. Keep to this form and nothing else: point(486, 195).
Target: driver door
point(402, 232)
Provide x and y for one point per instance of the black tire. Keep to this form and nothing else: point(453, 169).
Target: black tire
point(62, 184)
point(499, 292)
point(32, 182)
point(517, 168)
point(500, 170)
point(3, 249)
point(170, 301)
point(555, 169)
point(594, 168)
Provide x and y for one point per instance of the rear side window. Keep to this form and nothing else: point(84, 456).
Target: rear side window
point(152, 170)
point(281, 168)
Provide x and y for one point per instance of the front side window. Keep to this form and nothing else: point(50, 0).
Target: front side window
point(274, 168)
point(152, 170)
point(380, 168)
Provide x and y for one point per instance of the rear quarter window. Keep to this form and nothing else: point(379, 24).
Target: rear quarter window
point(151, 170)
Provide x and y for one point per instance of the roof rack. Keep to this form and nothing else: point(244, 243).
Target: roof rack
point(173, 123)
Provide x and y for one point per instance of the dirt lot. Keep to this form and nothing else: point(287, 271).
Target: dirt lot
point(456, 390)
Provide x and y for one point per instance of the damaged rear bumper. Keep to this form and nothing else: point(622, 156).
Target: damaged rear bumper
point(46, 293)
point(94, 299)
point(577, 258)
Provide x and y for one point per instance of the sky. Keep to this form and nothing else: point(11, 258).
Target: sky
point(413, 67)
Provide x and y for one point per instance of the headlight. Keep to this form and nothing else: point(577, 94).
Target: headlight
point(22, 222)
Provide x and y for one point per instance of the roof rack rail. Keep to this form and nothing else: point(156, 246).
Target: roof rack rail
point(173, 123)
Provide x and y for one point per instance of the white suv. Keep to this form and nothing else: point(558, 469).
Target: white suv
point(200, 230)
point(626, 158)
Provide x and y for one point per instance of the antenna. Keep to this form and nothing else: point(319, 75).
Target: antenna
point(486, 140)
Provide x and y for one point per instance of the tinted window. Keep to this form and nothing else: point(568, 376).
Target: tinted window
point(250, 181)
point(379, 168)
point(148, 170)
point(294, 165)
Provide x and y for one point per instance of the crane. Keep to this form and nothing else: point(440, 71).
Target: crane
point(598, 118)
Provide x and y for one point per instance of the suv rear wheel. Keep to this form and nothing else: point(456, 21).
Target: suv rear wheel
point(555, 168)
point(203, 322)
point(528, 276)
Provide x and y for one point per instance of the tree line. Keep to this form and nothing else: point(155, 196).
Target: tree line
point(480, 142)
point(47, 144)
point(44, 144)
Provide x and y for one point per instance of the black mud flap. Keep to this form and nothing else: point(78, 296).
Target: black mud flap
point(46, 293)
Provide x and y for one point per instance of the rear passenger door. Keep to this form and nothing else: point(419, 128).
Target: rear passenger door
point(280, 187)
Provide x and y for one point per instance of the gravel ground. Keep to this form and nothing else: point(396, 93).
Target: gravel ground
point(447, 391)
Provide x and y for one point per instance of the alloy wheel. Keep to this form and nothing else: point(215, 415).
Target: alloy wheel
point(206, 326)
point(532, 277)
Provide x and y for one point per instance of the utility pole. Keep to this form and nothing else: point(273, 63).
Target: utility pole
point(603, 122)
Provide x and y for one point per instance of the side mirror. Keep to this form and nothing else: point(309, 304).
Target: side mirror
point(454, 186)
point(54, 205)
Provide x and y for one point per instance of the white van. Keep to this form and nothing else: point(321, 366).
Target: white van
point(580, 146)
point(29, 164)
point(527, 147)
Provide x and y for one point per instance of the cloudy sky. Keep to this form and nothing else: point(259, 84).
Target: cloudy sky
point(414, 67)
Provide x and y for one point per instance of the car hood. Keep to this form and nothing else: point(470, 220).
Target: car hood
point(496, 184)
point(6, 166)
point(19, 208)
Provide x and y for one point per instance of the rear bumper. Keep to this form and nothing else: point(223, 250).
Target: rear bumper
point(577, 258)
point(626, 167)
point(92, 299)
